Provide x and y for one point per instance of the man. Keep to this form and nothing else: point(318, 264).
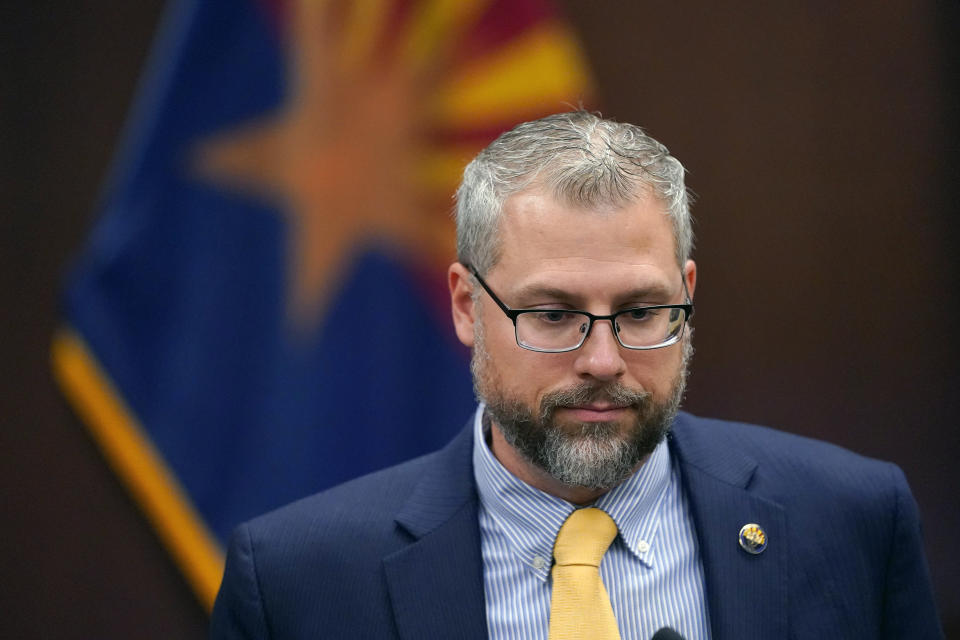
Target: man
point(574, 290)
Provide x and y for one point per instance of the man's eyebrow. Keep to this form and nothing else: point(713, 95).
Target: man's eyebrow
point(537, 290)
point(540, 291)
point(655, 294)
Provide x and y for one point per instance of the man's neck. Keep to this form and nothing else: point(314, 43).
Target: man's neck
point(536, 477)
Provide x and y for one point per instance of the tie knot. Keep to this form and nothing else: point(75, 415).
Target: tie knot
point(584, 538)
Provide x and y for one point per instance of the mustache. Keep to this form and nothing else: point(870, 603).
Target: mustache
point(615, 394)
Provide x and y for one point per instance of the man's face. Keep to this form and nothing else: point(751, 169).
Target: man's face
point(587, 417)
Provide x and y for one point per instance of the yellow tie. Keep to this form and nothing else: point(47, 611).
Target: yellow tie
point(580, 607)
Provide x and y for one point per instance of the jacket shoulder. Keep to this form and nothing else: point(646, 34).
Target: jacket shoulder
point(286, 570)
point(784, 460)
point(849, 524)
point(315, 568)
point(369, 502)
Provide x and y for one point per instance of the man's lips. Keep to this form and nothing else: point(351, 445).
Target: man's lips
point(596, 412)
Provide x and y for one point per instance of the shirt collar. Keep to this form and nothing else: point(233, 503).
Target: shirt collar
point(530, 519)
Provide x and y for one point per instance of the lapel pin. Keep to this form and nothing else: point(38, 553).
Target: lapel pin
point(753, 539)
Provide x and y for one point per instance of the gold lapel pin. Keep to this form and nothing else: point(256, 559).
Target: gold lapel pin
point(753, 539)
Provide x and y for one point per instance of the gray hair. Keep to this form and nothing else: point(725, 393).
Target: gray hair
point(583, 160)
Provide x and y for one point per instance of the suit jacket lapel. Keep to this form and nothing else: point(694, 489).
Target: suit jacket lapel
point(746, 594)
point(436, 583)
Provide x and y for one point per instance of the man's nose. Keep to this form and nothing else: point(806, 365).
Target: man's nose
point(600, 356)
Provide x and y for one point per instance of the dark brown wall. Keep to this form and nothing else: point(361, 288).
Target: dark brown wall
point(77, 559)
point(822, 145)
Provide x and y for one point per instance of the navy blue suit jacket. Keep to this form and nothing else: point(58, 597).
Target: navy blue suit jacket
point(396, 554)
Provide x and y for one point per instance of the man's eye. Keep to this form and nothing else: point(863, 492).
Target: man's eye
point(638, 315)
point(555, 316)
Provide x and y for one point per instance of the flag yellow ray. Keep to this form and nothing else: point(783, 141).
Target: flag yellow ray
point(434, 26)
point(538, 71)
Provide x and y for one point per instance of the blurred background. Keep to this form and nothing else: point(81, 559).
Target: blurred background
point(207, 210)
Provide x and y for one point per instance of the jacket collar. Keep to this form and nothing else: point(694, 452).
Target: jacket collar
point(746, 593)
point(436, 583)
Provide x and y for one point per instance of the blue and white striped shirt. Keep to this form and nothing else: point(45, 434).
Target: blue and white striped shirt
point(652, 571)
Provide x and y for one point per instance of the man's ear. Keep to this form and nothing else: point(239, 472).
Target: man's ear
point(690, 276)
point(461, 302)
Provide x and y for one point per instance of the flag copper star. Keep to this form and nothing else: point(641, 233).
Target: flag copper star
point(345, 155)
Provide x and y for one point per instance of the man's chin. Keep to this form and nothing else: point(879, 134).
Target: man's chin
point(595, 455)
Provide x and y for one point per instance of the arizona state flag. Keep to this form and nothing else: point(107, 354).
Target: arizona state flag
point(259, 312)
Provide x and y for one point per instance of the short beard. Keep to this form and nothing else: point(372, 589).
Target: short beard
point(594, 455)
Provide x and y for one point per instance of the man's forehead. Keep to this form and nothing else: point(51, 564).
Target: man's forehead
point(539, 233)
point(536, 208)
point(568, 272)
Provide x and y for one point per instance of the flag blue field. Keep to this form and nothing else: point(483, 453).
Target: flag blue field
point(259, 311)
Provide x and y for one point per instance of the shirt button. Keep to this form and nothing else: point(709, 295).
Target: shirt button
point(539, 562)
point(643, 546)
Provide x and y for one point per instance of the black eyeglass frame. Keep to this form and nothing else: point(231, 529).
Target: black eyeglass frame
point(513, 314)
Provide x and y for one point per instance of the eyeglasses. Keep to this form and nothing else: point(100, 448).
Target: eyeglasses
point(560, 330)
